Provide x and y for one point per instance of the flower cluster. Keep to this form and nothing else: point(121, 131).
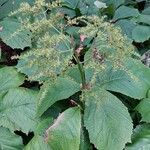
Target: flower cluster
point(51, 51)
point(108, 45)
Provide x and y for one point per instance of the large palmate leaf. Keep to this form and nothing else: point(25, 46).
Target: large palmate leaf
point(14, 35)
point(18, 109)
point(141, 33)
point(9, 141)
point(107, 120)
point(125, 12)
point(50, 93)
point(64, 134)
point(140, 138)
point(144, 109)
point(127, 82)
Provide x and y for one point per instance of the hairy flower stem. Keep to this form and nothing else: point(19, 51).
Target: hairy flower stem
point(81, 70)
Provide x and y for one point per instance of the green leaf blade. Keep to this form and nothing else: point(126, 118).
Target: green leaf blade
point(14, 35)
point(10, 78)
point(141, 33)
point(115, 3)
point(125, 12)
point(133, 81)
point(144, 19)
point(37, 143)
point(65, 132)
point(140, 138)
point(62, 88)
point(7, 6)
point(18, 109)
point(127, 26)
point(107, 120)
point(9, 141)
point(144, 109)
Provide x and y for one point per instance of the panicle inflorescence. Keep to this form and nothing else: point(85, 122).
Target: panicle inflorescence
point(109, 45)
point(51, 51)
point(39, 7)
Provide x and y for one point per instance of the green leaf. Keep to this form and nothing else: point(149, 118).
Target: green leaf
point(144, 109)
point(29, 70)
point(6, 6)
point(125, 12)
point(115, 3)
point(9, 141)
point(141, 33)
point(74, 73)
point(84, 140)
point(107, 120)
point(87, 7)
point(129, 82)
point(64, 134)
point(138, 70)
point(127, 26)
point(146, 11)
point(71, 3)
point(37, 143)
point(43, 125)
point(140, 138)
point(144, 19)
point(54, 91)
point(14, 35)
point(10, 78)
point(69, 12)
point(18, 109)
